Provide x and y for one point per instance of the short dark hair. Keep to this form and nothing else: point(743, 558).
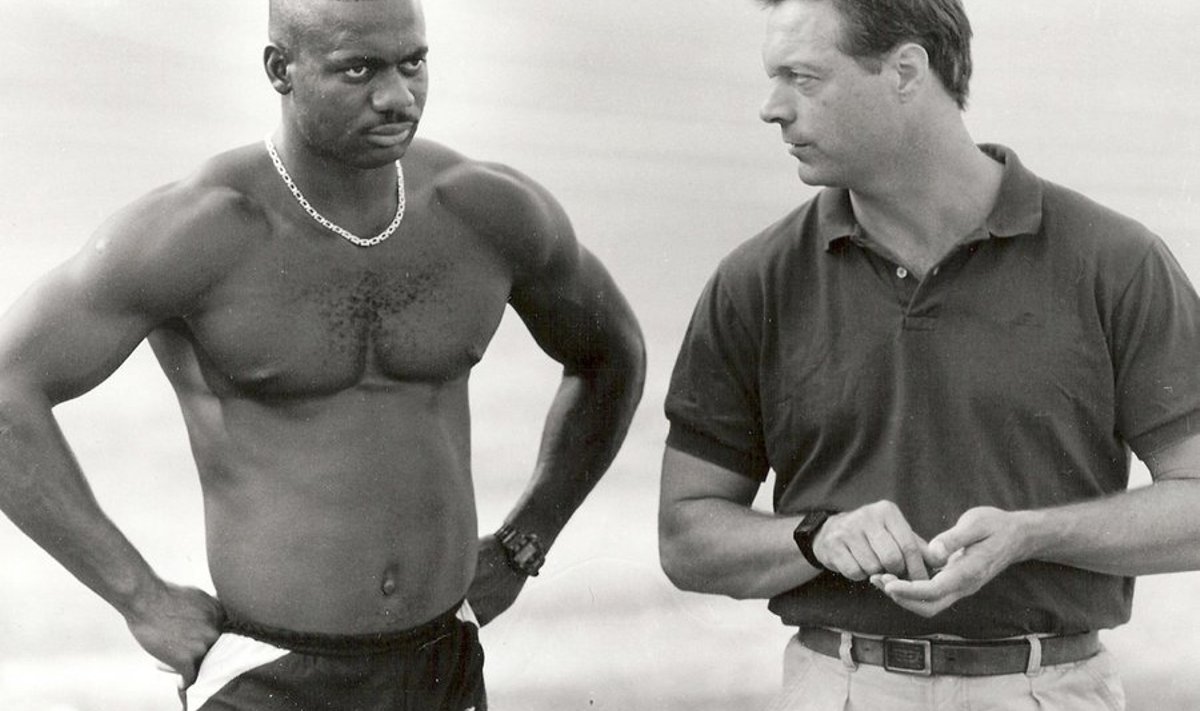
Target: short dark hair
point(872, 28)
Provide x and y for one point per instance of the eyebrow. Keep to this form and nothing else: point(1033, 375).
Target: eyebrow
point(342, 56)
point(795, 68)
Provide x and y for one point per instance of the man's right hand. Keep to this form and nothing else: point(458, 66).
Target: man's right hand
point(177, 627)
point(870, 540)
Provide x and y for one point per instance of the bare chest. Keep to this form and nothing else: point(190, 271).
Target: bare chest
point(303, 324)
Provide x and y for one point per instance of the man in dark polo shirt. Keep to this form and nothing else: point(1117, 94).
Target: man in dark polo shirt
point(946, 361)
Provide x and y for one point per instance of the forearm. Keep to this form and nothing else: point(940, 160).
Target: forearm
point(585, 427)
point(43, 492)
point(1151, 530)
point(725, 548)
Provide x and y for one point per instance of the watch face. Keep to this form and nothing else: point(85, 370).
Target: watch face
point(529, 558)
point(524, 550)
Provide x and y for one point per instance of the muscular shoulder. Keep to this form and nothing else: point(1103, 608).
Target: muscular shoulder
point(175, 241)
point(519, 217)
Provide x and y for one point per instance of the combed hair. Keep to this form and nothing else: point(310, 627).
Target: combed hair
point(872, 28)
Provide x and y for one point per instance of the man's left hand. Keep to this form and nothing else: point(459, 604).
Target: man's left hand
point(496, 584)
point(983, 543)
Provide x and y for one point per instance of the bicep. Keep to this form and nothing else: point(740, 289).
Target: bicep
point(687, 478)
point(563, 294)
point(68, 332)
point(571, 304)
point(1180, 460)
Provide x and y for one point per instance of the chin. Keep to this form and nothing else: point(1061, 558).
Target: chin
point(812, 177)
point(379, 157)
point(820, 178)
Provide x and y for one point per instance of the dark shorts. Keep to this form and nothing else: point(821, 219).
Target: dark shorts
point(435, 667)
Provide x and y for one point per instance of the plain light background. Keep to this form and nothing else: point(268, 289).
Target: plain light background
point(642, 118)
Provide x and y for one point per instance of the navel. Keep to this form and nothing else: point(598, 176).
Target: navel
point(389, 585)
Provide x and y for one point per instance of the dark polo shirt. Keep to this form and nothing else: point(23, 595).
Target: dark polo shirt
point(1018, 374)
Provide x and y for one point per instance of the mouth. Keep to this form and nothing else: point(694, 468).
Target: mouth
point(389, 135)
point(796, 148)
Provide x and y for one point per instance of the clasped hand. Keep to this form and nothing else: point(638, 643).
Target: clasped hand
point(177, 625)
point(875, 542)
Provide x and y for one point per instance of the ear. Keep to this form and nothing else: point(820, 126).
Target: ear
point(910, 62)
point(275, 62)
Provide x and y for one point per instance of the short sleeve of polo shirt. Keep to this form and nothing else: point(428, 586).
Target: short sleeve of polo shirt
point(1155, 334)
point(713, 401)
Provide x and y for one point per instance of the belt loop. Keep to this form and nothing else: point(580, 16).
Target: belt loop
point(1035, 655)
point(846, 652)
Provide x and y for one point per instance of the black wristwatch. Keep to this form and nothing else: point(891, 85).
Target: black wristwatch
point(806, 533)
point(524, 550)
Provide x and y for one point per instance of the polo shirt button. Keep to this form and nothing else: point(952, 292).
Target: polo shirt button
point(901, 272)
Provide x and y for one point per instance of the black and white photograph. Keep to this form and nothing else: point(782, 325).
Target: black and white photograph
point(452, 355)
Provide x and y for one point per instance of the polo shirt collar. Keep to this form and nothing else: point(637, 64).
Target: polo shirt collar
point(1018, 208)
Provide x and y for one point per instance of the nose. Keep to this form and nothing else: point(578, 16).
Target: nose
point(393, 92)
point(777, 108)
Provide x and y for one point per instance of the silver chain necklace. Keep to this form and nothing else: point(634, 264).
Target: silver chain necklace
point(326, 222)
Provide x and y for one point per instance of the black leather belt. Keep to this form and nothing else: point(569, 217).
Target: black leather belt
point(956, 657)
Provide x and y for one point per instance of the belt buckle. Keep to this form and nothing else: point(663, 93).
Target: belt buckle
point(908, 656)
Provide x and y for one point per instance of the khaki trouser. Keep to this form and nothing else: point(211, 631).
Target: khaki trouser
point(814, 682)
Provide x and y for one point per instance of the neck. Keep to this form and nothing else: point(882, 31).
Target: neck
point(942, 191)
point(340, 187)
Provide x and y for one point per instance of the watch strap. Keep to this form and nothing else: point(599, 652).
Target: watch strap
point(805, 534)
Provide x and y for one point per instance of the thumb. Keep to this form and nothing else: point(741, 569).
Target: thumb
point(948, 542)
point(188, 674)
point(936, 554)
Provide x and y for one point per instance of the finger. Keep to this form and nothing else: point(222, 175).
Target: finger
point(965, 573)
point(912, 549)
point(835, 553)
point(914, 559)
point(903, 555)
point(842, 561)
point(887, 551)
point(866, 563)
point(924, 609)
point(915, 590)
point(881, 580)
point(188, 671)
point(890, 585)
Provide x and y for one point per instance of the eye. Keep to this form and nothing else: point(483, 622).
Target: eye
point(805, 83)
point(412, 65)
point(357, 72)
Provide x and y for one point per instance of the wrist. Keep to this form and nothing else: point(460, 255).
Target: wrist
point(524, 551)
point(806, 532)
point(139, 599)
point(1035, 533)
